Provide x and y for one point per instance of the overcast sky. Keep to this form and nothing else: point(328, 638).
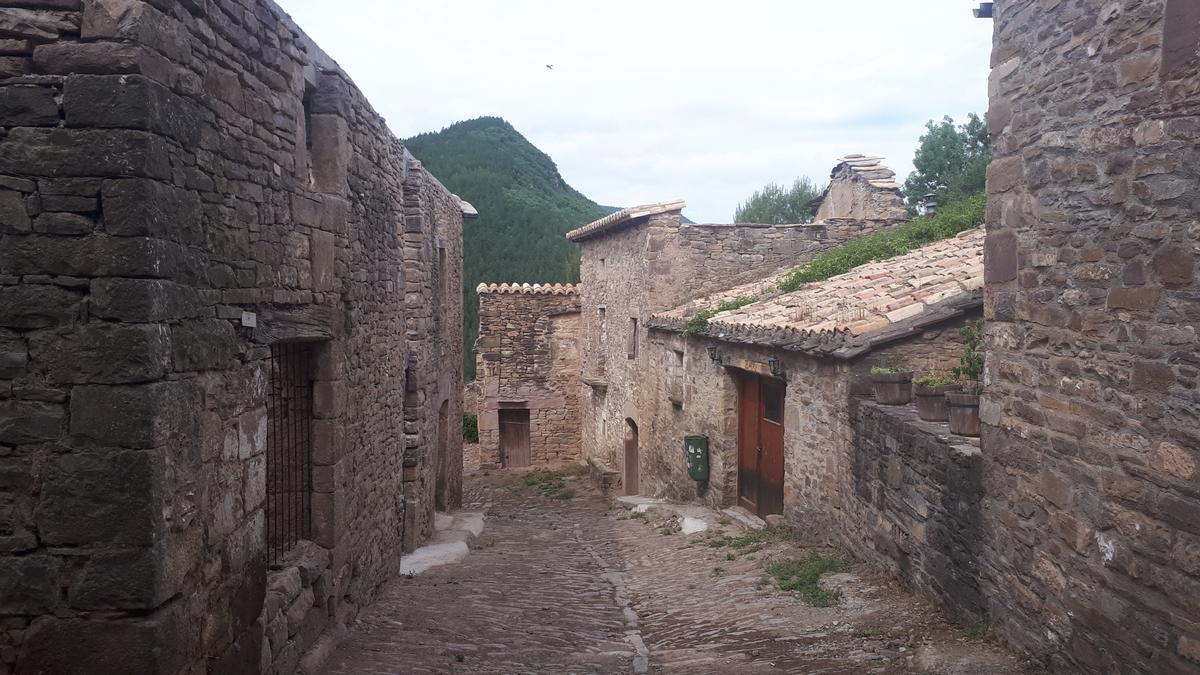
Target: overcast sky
point(652, 100)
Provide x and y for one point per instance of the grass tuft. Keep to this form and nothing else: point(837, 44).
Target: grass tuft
point(803, 577)
point(699, 320)
point(754, 540)
point(977, 630)
point(551, 484)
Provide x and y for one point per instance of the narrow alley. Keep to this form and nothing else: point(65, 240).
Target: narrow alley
point(576, 584)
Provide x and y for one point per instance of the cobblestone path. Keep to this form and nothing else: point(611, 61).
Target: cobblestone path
point(575, 586)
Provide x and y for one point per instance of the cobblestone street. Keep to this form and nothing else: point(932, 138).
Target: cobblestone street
point(577, 586)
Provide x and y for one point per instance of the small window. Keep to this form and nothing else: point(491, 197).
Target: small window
point(443, 276)
point(772, 398)
point(631, 347)
point(678, 358)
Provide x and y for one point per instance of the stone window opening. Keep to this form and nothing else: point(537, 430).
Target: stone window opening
point(306, 102)
point(441, 287)
point(289, 447)
point(631, 347)
point(601, 340)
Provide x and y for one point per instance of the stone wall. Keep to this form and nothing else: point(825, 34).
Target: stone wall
point(528, 356)
point(182, 185)
point(915, 507)
point(1092, 412)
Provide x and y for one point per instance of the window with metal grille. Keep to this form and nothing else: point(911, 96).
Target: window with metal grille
point(289, 447)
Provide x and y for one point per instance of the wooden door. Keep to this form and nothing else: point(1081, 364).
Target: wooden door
point(631, 458)
point(514, 438)
point(760, 444)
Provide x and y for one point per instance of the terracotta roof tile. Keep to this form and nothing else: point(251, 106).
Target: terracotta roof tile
point(846, 314)
point(623, 217)
point(529, 289)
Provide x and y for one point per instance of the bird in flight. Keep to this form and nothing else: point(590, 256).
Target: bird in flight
point(549, 66)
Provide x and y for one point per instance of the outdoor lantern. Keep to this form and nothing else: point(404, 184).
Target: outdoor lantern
point(712, 353)
point(775, 366)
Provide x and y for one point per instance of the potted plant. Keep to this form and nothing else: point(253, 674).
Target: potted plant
point(964, 406)
point(930, 392)
point(893, 386)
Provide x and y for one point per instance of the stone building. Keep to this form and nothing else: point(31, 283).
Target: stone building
point(644, 260)
point(769, 384)
point(230, 315)
point(528, 369)
point(1092, 410)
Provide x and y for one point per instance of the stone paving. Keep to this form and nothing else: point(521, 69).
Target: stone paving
point(577, 586)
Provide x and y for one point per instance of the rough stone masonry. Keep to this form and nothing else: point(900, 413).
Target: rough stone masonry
point(1092, 412)
point(188, 190)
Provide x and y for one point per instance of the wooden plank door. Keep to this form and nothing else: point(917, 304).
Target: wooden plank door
point(770, 439)
point(514, 438)
point(748, 442)
point(760, 444)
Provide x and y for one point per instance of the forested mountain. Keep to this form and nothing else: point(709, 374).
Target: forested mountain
point(525, 208)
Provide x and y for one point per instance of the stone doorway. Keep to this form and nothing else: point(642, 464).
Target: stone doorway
point(631, 458)
point(514, 437)
point(760, 444)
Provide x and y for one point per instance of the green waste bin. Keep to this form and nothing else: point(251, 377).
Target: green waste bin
point(695, 449)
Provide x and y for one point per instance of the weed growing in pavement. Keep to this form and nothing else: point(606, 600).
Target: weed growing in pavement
point(460, 658)
point(638, 515)
point(803, 576)
point(718, 571)
point(754, 540)
point(671, 529)
point(731, 556)
point(978, 630)
point(550, 484)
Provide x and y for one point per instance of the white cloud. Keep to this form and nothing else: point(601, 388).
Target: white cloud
point(657, 99)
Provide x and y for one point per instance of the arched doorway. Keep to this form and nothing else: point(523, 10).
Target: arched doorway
point(631, 457)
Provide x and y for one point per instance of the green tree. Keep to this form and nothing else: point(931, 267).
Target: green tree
point(778, 205)
point(950, 161)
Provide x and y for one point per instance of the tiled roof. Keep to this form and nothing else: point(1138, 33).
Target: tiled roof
point(529, 289)
point(849, 314)
point(620, 218)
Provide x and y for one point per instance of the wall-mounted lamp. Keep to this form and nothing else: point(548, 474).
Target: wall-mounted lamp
point(984, 11)
point(775, 366)
point(712, 353)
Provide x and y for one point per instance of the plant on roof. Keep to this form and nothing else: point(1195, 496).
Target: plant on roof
point(970, 364)
point(700, 319)
point(950, 220)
